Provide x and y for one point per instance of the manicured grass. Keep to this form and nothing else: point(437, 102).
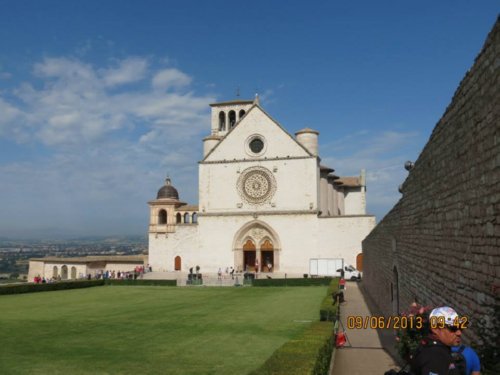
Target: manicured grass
point(150, 330)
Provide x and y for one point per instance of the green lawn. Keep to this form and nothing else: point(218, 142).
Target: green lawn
point(150, 330)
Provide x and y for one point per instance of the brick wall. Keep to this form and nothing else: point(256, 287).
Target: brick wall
point(443, 236)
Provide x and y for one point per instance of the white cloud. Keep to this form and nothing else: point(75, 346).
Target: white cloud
point(129, 70)
point(64, 69)
point(170, 79)
point(104, 151)
point(76, 104)
point(268, 96)
point(9, 112)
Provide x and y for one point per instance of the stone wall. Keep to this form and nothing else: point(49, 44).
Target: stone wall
point(440, 244)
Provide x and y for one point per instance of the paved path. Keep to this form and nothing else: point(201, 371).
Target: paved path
point(365, 356)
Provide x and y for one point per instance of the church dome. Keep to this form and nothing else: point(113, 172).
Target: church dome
point(167, 191)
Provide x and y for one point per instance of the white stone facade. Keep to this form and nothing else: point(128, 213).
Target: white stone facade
point(262, 196)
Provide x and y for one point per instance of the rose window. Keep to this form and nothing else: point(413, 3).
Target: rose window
point(256, 185)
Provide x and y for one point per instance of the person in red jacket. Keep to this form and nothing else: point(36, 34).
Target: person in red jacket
point(342, 284)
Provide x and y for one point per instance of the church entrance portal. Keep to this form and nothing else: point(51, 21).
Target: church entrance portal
point(267, 256)
point(249, 261)
point(267, 261)
point(257, 242)
point(249, 256)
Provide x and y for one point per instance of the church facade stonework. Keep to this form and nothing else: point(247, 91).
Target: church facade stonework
point(265, 202)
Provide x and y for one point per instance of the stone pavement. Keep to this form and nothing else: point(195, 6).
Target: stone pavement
point(365, 355)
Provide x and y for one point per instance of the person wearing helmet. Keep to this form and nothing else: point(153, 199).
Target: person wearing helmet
point(433, 357)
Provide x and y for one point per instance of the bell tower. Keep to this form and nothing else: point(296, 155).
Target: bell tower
point(162, 218)
point(225, 116)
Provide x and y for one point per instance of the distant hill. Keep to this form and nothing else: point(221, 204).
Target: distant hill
point(116, 240)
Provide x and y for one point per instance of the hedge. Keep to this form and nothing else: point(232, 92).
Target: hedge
point(308, 354)
point(293, 282)
point(329, 309)
point(140, 282)
point(61, 285)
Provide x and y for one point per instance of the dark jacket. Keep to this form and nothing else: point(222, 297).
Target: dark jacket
point(432, 358)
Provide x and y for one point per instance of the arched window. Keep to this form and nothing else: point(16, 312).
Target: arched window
point(194, 218)
point(55, 272)
point(162, 217)
point(232, 119)
point(73, 273)
point(177, 263)
point(186, 218)
point(178, 218)
point(222, 121)
point(64, 272)
point(242, 113)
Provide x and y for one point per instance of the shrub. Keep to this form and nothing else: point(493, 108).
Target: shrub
point(140, 282)
point(408, 339)
point(329, 308)
point(308, 354)
point(32, 288)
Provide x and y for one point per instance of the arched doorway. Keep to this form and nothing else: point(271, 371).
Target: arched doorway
point(55, 272)
point(64, 272)
point(267, 256)
point(249, 253)
point(256, 241)
point(359, 262)
point(73, 273)
point(177, 263)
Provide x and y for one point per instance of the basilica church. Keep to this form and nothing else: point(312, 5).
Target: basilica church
point(266, 203)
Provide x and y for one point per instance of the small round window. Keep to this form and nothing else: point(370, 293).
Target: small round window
point(256, 145)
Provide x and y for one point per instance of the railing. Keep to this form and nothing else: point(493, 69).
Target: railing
point(162, 228)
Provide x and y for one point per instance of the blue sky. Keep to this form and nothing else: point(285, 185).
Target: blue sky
point(99, 100)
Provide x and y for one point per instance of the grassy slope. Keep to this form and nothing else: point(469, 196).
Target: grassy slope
point(150, 330)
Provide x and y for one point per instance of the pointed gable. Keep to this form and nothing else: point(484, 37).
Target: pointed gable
point(257, 124)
